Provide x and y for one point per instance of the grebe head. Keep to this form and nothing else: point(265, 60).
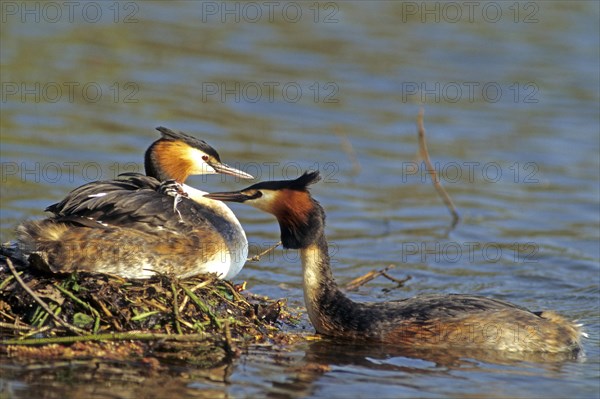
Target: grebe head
point(177, 155)
point(301, 218)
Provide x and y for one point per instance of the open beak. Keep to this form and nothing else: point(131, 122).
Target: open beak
point(229, 196)
point(228, 170)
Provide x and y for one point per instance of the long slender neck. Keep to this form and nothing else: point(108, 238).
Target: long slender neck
point(302, 222)
point(329, 310)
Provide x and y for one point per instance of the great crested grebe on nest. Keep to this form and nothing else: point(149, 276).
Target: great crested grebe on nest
point(138, 225)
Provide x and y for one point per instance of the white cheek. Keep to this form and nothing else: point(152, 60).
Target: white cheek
point(200, 166)
point(265, 202)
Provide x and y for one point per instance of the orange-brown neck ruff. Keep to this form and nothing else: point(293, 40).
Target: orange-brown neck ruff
point(173, 159)
point(292, 207)
point(301, 219)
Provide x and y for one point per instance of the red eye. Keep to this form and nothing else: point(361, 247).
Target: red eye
point(205, 157)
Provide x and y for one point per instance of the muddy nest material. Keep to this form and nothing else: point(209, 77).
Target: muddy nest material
point(200, 317)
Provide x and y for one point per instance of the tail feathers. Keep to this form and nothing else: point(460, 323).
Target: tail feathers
point(571, 330)
point(558, 319)
point(579, 325)
point(40, 231)
point(40, 242)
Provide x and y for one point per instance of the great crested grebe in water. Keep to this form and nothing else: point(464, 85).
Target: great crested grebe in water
point(455, 320)
point(138, 225)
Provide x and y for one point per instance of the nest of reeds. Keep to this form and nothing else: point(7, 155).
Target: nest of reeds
point(200, 319)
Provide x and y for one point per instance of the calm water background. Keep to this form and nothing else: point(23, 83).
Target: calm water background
point(511, 109)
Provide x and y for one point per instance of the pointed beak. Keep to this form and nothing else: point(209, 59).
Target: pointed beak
point(228, 170)
point(229, 196)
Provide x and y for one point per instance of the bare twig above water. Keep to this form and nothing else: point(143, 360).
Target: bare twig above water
point(399, 281)
point(362, 280)
point(256, 258)
point(349, 150)
point(424, 153)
